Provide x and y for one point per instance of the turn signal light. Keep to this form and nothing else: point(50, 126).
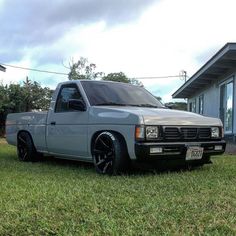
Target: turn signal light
point(139, 132)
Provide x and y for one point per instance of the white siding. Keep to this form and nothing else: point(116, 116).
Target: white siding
point(211, 100)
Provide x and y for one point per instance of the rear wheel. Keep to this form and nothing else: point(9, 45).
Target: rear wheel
point(25, 147)
point(109, 153)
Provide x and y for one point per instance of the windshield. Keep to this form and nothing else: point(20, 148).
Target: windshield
point(118, 94)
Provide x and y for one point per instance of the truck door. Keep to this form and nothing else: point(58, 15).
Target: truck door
point(66, 128)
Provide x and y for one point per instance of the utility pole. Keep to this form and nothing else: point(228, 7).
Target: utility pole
point(183, 75)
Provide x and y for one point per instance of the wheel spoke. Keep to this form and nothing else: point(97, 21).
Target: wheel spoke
point(101, 162)
point(103, 154)
point(22, 140)
point(22, 147)
point(25, 154)
point(110, 154)
point(106, 147)
point(97, 151)
point(105, 167)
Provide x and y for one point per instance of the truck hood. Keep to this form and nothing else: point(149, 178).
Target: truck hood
point(156, 116)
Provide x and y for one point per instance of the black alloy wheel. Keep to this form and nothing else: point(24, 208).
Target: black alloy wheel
point(109, 153)
point(25, 147)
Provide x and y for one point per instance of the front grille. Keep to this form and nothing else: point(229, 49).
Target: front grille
point(171, 133)
point(204, 133)
point(186, 133)
point(189, 133)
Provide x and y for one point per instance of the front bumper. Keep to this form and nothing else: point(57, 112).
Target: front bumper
point(177, 150)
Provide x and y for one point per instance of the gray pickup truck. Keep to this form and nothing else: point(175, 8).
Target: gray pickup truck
point(113, 124)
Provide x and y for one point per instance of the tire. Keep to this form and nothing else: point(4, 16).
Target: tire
point(25, 148)
point(109, 154)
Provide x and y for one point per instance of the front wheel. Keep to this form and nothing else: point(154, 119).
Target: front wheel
point(109, 153)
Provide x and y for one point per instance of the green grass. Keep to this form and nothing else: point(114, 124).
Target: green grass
point(56, 197)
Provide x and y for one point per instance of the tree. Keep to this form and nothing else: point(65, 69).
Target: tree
point(117, 77)
point(35, 96)
point(16, 101)
point(3, 98)
point(82, 69)
point(4, 102)
point(121, 77)
point(158, 98)
point(22, 98)
point(136, 82)
point(177, 105)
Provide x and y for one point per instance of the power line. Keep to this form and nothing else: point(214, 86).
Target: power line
point(37, 70)
point(61, 73)
point(158, 77)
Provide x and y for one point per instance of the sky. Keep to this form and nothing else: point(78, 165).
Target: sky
point(142, 38)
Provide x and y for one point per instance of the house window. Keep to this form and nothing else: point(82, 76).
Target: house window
point(226, 105)
point(200, 104)
point(192, 106)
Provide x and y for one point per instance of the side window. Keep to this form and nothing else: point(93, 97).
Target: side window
point(66, 93)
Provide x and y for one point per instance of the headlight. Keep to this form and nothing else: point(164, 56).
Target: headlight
point(152, 132)
point(215, 132)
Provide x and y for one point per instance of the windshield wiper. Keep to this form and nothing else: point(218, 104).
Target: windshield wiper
point(144, 105)
point(110, 104)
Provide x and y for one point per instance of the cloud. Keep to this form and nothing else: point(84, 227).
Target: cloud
point(204, 56)
point(26, 24)
point(141, 38)
point(164, 90)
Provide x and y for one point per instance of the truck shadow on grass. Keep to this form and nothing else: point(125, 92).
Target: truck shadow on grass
point(135, 169)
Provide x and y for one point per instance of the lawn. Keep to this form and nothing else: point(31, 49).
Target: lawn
point(56, 197)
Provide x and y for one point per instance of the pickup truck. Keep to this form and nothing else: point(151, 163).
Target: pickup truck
point(112, 125)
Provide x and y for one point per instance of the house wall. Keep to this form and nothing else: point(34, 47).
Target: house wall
point(211, 98)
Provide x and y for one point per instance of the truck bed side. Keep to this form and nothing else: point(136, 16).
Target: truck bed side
point(33, 122)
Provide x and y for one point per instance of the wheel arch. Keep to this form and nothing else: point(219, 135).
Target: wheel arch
point(95, 135)
point(25, 131)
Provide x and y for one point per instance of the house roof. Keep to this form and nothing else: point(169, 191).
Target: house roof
point(222, 62)
point(2, 68)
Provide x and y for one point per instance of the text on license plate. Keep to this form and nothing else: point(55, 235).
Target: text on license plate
point(194, 153)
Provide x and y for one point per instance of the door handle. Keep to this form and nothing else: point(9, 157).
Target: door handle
point(53, 123)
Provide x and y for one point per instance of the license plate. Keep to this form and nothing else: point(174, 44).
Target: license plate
point(194, 153)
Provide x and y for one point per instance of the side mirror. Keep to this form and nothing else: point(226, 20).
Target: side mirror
point(77, 105)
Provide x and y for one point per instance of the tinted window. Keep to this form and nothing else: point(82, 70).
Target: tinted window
point(106, 93)
point(67, 92)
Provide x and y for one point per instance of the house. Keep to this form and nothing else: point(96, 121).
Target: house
point(211, 91)
point(2, 68)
